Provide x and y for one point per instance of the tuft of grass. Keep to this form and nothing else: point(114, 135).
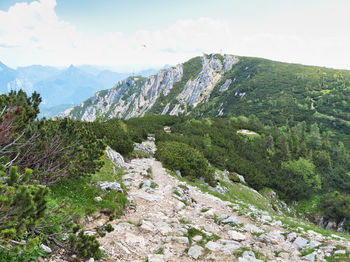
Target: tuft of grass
point(160, 251)
point(184, 221)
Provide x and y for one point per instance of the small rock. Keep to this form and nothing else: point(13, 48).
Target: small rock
point(234, 235)
point(337, 237)
point(110, 186)
point(230, 219)
point(340, 252)
point(209, 213)
point(266, 218)
point(147, 226)
point(89, 233)
point(91, 260)
point(181, 240)
point(223, 216)
point(291, 236)
point(197, 238)
point(314, 243)
point(46, 249)
point(147, 184)
point(179, 206)
point(213, 246)
point(98, 199)
point(247, 254)
point(195, 251)
point(229, 246)
point(252, 228)
point(284, 255)
point(155, 258)
point(310, 257)
point(241, 178)
point(300, 242)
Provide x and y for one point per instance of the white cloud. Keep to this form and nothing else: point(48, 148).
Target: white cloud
point(32, 33)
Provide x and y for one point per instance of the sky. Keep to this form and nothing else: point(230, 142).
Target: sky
point(138, 34)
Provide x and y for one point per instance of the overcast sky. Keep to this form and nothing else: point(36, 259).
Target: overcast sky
point(142, 33)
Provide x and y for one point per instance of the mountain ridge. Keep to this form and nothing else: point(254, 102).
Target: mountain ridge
point(229, 86)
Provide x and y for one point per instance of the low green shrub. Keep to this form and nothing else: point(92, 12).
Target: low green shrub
point(189, 161)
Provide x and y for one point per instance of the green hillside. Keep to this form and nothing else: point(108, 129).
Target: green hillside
point(282, 93)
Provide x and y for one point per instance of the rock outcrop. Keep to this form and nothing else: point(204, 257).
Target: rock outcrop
point(135, 96)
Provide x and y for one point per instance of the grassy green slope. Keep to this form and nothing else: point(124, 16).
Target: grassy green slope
point(280, 92)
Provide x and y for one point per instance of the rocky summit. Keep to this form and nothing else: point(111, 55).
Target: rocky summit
point(172, 220)
point(135, 96)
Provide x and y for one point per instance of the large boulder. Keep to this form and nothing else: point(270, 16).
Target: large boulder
point(115, 157)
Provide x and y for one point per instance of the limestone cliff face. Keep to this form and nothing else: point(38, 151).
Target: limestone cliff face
point(135, 96)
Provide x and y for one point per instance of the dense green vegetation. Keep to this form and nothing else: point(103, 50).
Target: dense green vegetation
point(42, 204)
point(298, 160)
point(189, 161)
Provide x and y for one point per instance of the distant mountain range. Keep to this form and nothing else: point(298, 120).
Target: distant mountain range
point(61, 88)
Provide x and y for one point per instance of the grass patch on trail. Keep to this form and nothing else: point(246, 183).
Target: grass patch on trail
point(77, 196)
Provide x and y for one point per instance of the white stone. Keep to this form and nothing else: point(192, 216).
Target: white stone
point(230, 219)
point(209, 213)
point(340, 252)
point(195, 251)
point(314, 243)
point(213, 246)
point(46, 249)
point(148, 226)
point(155, 258)
point(300, 242)
point(291, 236)
point(98, 199)
point(181, 240)
point(197, 238)
point(105, 185)
point(310, 257)
point(115, 157)
point(234, 235)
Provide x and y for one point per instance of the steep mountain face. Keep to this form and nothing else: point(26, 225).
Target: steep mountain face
point(226, 86)
point(170, 91)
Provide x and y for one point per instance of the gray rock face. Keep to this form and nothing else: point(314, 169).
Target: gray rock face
point(110, 186)
point(129, 98)
point(226, 85)
point(195, 251)
point(115, 157)
point(198, 89)
point(135, 96)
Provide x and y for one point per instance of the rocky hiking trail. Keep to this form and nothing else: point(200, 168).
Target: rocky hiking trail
point(169, 220)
